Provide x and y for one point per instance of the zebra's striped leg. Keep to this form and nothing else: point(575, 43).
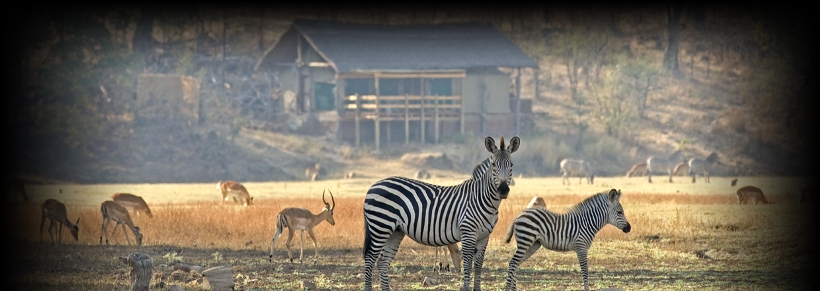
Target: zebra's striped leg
point(391, 246)
point(468, 250)
point(649, 174)
point(525, 249)
point(582, 260)
point(481, 247)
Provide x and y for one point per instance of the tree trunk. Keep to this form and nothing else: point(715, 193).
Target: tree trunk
point(670, 59)
point(143, 41)
point(140, 275)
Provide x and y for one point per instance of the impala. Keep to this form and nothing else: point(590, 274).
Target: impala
point(113, 211)
point(537, 202)
point(235, 190)
point(303, 220)
point(16, 188)
point(311, 172)
point(133, 203)
point(55, 212)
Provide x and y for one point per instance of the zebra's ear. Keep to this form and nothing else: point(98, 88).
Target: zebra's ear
point(489, 143)
point(514, 142)
point(614, 195)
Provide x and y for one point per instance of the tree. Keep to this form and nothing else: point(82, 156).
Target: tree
point(670, 58)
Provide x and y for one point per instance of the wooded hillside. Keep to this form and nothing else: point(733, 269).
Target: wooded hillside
point(615, 84)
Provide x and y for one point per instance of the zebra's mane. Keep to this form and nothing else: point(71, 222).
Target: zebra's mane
point(712, 158)
point(590, 201)
point(480, 169)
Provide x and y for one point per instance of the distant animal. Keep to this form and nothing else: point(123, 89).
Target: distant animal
point(571, 231)
point(422, 174)
point(350, 175)
point(746, 194)
point(807, 194)
point(302, 220)
point(455, 256)
point(312, 172)
point(133, 203)
point(537, 202)
point(55, 212)
point(702, 166)
point(113, 211)
point(573, 167)
point(636, 169)
point(235, 190)
point(16, 188)
point(658, 164)
point(734, 182)
point(681, 169)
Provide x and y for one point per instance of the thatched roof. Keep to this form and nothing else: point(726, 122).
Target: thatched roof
point(353, 47)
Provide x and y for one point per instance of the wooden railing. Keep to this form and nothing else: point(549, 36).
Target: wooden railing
point(425, 109)
point(402, 107)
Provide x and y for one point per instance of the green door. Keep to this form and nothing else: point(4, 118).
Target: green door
point(325, 96)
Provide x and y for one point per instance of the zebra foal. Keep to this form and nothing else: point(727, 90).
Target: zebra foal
point(662, 165)
point(571, 231)
point(572, 167)
point(435, 215)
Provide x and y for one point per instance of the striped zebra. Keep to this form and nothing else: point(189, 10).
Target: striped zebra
point(702, 166)
point(572, 167)
point(435, 215)
point(662, 165)
point(571, 231)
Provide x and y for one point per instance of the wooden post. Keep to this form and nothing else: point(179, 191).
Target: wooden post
point(461, 104)
point(377, 122)
point(406, 119)
point(422, 111)
point(485, 96)
point(140, 275)
point(518, 103)
point(358, 136)
point(436, 118)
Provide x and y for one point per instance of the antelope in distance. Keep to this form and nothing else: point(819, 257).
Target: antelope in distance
point(235, 190)
point(133, 203)
point(681, 169)
point(747, 193)
point(15, 188)
point(55, 212)
point(311, 172)
point(636, 169)
point(113, 211)
point(537, 202)
point(807, 194)
point(303, 220)
point(350, 175)
point(455, 256)
point(422, 174)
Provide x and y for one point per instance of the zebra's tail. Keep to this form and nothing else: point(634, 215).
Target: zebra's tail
point(509, 233)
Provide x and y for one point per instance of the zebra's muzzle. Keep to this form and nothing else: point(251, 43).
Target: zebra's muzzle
point(503, 190)
point(627, 228)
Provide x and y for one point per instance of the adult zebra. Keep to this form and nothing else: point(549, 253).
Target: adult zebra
point(570, 231)
point(435, 215)
point(662, 165)
point(572, 167)
point(701, 166)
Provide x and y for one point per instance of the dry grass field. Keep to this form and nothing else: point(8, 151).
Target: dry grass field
point(684, 236)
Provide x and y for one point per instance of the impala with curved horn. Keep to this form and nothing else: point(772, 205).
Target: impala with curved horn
point(303, 220)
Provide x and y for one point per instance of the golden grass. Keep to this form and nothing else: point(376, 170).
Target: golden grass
point(671, 223)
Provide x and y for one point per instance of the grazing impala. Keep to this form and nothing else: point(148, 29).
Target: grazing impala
point(16, 188)
point(681, 169)
point(55, 212)
point(133, 203)
point(537, 202)
point(638, 168)
point(113, 211)
point(303, 220)
point(235, 190)
point(311, 172)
